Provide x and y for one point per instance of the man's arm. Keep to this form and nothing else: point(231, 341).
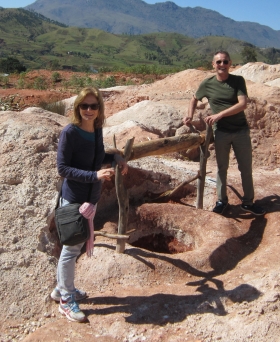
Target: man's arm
point(192, 106)
point(238, 107)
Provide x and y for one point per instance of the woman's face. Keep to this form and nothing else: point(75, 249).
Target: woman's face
point(89, 109)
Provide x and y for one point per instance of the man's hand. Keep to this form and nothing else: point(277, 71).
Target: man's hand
point(238, 107)
point(211, 119)
point(187, 120)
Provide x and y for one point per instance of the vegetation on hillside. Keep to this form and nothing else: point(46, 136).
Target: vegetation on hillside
point(11, 65)
point(249, 54)
point(38, 43)
point(135, 17)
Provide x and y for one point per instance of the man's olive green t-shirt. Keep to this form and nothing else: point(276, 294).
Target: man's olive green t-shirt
point(222, 95)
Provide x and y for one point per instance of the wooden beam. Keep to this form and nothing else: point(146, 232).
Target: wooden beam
point(111, 236)
point(167, 195)
point(164, 145)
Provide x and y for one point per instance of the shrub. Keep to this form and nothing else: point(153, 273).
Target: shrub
point(85, 68)
point(21, 84)
point(109, 82)
point(4, 81)
point(249, 54)
point(53, 65)
point(77, 82)
point(40, 83)
point(56, 77)
point(11, 65)
point(105, 69)
point(55, 107)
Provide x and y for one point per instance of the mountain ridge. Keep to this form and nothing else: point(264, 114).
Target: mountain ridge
point(137, 17)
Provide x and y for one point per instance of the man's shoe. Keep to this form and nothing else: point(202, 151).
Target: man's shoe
point(253, 209)
point(71, 310)
point(220, 207)
point(79, 295)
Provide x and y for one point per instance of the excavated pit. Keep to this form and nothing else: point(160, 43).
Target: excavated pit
point(162, 244)
point(163, 241)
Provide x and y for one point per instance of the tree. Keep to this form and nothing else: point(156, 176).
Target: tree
point(273, 55)
point(10, 65)
point(53, 65)
point(249, 54)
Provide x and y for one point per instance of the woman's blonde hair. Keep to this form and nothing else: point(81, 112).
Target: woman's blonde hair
point(76, 118)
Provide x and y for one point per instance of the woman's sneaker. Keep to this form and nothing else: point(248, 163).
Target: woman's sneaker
point(71, 310)
point(79, 295)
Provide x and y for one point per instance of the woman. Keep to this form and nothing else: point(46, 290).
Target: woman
point(80, 146)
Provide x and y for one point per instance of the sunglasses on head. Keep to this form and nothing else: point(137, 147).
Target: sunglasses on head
point(224, 61)
point(86, 106)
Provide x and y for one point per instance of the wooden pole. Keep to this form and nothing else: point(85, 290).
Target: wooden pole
point(111, 236)
point(202, 171)
point(123, 199)
point(164, 145)
point(167, 195)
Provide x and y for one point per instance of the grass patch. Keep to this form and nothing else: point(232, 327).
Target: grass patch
point(55, 107)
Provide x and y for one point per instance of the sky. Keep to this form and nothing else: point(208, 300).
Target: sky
point(265, 12)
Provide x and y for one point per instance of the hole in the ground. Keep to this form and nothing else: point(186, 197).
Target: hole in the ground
point(161, 243)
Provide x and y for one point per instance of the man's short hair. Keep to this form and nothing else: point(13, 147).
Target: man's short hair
point(222, 52)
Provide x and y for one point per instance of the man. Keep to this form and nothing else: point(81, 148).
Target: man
point(227, 96)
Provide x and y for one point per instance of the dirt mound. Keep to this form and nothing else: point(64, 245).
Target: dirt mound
point(186, 274)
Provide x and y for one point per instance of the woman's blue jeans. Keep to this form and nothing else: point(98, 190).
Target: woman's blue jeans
point(66, 266)
point(240, 141)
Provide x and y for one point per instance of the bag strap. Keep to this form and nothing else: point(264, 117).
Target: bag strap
point(91, 184)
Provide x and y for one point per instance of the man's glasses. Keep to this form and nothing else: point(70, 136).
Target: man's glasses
point(220, 62)
point(86, 106)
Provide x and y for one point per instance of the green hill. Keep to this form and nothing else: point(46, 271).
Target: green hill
point(38, 42)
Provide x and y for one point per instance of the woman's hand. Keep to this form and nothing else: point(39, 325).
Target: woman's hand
point(122, 164)
point(105, 174)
